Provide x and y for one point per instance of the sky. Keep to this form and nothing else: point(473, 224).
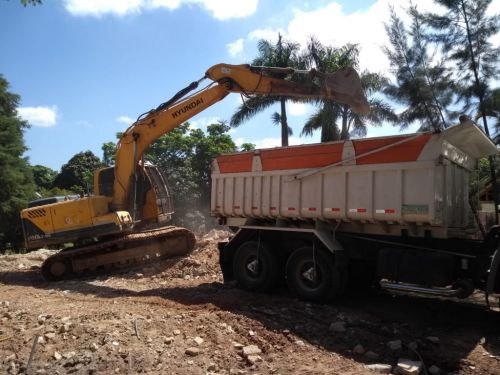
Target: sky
point(85, 69)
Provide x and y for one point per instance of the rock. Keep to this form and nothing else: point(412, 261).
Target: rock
point(380, 368)
point(168, 340)
point(68, 355)
point(176, 332)
point(40, 340)
point(299, 343)
point(371, 355)
point(358, 349)
point(251, 333)
point(408, 367)
point(434, 370)
point(253, 359)
point(7, 315)
point(198, 340)
point(115, 343)
point(433, 339)
point(413, 345)
point(49, 335)
point(65, 328)
point(337, 327)
point(395, 345)
point(212, 367)
point(65, 319)
point(251, 350)
point(57, 356)
point(192, 351)
point(237, 345)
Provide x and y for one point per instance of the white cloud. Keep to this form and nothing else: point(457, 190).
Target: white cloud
point(97, 8)
point(266, 34)
point(44, 117)
point(125, 120)
point(218, 9)
point(203, 122)
point(331, 25)
point(273, 142)
point(297, 109)
point(236, 48)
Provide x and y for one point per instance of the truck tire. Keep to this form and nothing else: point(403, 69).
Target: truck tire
point(255, 266)
point(313, 277)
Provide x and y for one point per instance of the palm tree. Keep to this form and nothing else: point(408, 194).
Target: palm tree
point(338, 121)
point(282, 54)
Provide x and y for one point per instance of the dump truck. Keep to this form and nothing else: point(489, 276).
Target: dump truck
point(392, 210)
point(126, 219)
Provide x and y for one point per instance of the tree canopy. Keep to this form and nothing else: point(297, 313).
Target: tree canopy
point(16, 179)
point(78, 173)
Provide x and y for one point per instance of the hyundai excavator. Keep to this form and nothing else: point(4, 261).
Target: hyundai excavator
point(125, 220)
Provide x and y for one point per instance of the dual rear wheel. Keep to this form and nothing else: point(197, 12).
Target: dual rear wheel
point(310, 273)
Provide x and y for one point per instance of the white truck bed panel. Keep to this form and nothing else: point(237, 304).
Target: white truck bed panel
point(419, 179)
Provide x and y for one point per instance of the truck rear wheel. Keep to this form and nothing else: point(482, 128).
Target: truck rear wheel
point(255, 266)
point(313, 276)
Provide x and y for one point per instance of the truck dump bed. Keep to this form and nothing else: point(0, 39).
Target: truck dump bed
point(417, 182)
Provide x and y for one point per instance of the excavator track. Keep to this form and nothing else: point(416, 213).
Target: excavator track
point(118, 253)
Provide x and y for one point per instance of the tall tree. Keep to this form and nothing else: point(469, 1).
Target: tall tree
point(43, 177)
point(464, 31)
point(282, 54)
point(185, 156)
point(337, 121)
point(16, 179)
point(77, 174)
point(422, 85)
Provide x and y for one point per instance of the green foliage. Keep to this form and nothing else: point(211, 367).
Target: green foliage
point(423, 86)
point(16, 179)
point(282, 54)
point(43, 177)
point(337, 121)
point(185, 155)
point(247, 146)
point(464, 33)
point(108, 153)
point(78, 173)
point(31, 2)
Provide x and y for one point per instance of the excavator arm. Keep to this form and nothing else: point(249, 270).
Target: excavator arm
point(343, 86)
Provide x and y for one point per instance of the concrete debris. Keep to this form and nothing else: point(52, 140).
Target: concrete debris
point(192, 351)
point(395, 345)
point(358, 349)
point(434, 370)
point(408, 367)
point(371, 355)
point(251, 350)
point(337, 327)
point(380, 368)
point(433, 339)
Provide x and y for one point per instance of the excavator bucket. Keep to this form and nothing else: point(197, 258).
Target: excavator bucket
point(344, 86)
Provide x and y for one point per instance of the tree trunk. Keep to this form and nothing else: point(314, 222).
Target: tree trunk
point(284, 124)
point(480, 94)
point(345, 117)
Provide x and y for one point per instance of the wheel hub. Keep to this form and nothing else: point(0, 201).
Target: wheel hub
point(309, 274)
point(253, 266)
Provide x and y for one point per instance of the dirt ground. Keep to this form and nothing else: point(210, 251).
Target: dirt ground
point(177, 317)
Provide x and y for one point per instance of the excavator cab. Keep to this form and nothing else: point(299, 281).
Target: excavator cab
point(150, 202)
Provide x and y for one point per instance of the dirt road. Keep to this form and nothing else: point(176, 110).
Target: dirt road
point(179, 318)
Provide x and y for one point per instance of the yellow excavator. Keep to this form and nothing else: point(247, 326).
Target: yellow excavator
point(125, 220)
